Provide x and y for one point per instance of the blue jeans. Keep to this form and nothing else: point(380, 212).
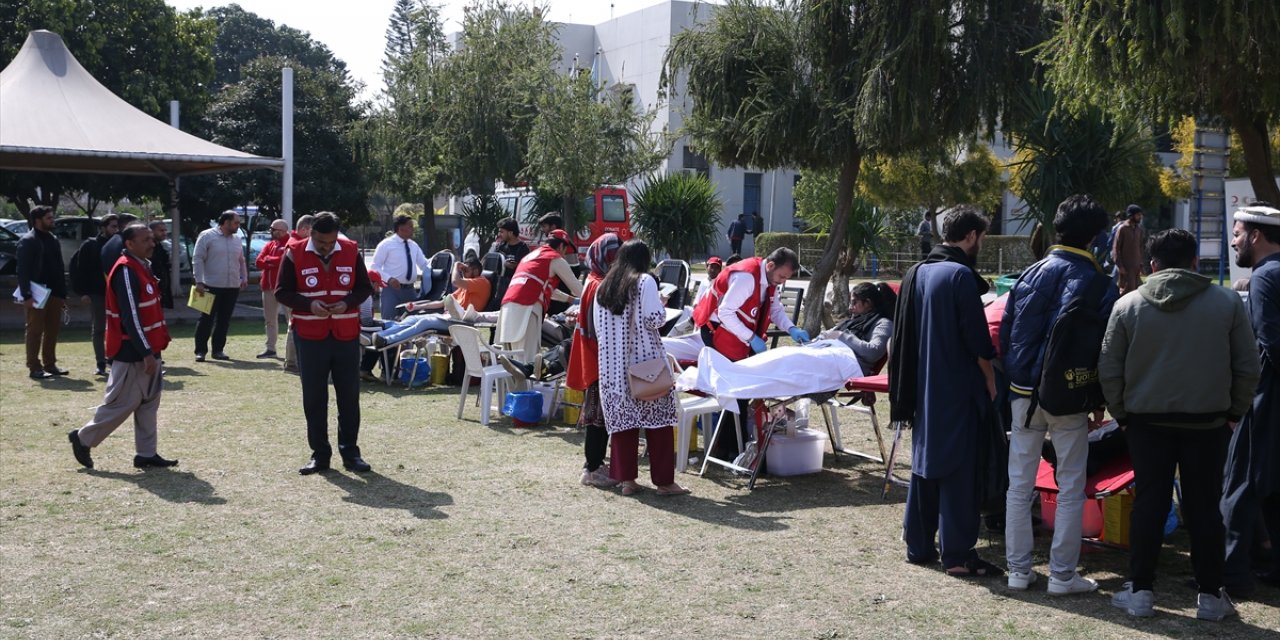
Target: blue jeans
point(390, 298)
point(394, 332)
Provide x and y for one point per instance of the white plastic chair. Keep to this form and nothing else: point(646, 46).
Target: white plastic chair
point(482, 362)
point(689, 408)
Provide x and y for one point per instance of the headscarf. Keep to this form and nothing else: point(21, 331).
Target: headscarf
point(602, 253)
point(600, 256)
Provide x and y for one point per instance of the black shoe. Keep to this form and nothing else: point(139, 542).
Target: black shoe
point(101, 371)
point(199, 357)
point(78, 449)
point(153, 461)
point(41, 375)
point(314, 466)
point(55, 371)
point(356, 463)
point(379, 341)
point(269, 353)
point(516, 368)
point(368, 376)
point(218, 355)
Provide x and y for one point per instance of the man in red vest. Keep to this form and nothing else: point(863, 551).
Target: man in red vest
point(735, 313)
point(135, 336)
point(323, 280)
point(532, 287)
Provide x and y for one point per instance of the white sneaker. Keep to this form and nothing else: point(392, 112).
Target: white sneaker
point(470, 315)
point(1077, 584)
point(1214, 607)
point(1135, 603)
point(1020, 580)
point(452, 307)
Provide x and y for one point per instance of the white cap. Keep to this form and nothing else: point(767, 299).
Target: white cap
point(1258, 214)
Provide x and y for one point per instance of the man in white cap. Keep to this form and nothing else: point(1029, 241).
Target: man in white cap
point(1252, 484)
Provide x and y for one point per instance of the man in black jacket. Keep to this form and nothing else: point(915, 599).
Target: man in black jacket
point(40, 267)
point(161, 264)
point(88, 280)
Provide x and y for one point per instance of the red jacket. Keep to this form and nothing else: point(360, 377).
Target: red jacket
point(532, 282)
point(150, 317)
point(329, 284)
point(584, 355)
point(268, 263)
point(752, 313)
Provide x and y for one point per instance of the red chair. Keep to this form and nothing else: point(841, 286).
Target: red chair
point(863, 399)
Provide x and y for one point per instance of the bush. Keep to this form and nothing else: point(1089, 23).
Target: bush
point(678, 213)
point(1000, 254)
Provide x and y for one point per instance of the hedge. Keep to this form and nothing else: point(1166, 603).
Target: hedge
point(1016, 250)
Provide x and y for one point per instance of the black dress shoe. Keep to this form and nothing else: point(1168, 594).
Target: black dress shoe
point(356, 463)
point(199, 357)
point(41, 375)
point(221, 356)
point(101, 371)
point(56, 371)
point(269, 353)
point(314, 466)
point(153, 461)
point(78, 449)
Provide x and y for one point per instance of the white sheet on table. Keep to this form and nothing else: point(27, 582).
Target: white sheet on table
point(820, 366)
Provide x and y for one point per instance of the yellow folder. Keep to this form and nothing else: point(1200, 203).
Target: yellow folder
point(202, 302)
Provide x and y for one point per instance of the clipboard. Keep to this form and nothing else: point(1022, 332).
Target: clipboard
point(39, 293)
point(202, 302)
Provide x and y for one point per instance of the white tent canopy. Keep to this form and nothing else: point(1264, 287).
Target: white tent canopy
point(54, 116)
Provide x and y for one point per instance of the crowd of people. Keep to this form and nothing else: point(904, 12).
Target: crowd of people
point(1069, 340)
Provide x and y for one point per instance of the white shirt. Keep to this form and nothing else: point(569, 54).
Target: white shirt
point(740, 287)
point(390, 263)
point(218, 260)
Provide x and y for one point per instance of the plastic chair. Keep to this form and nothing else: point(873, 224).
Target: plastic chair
point(481, 362)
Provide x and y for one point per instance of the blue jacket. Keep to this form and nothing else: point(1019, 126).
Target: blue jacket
point(1034, 304)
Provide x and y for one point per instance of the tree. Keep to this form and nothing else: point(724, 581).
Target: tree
point(243, 37)
point(1175, 182)
point(583, 137)
point(816, 197)
point(142, 50)
point(1174, 58)
point(1059, 153)
point(678, 213)
point(818, 84)
point(488, 92)
point(326, 174)
point(931, 180)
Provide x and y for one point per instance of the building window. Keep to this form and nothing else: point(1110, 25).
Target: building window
point(695, 161)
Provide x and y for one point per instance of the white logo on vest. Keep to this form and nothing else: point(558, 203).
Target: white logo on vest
point(312, 281)
point(345, 279)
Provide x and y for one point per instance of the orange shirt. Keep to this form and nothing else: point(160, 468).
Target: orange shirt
point(473, 293)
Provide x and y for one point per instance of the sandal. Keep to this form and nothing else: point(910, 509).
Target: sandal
point(673, 489)
point(630, 488)
point(975, 568)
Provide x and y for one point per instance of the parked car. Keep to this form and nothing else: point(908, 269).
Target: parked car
point(18, 227)
point(71, 232)
point(8, 252)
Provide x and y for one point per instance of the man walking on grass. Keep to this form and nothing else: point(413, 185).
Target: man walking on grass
point(136, 335)
point(268, 264)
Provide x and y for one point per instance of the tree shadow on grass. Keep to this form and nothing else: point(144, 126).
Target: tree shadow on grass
point(380, 492)
point(167, 484)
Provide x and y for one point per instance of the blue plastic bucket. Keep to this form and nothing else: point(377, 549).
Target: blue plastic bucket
point(421, 375)
point(523, 406)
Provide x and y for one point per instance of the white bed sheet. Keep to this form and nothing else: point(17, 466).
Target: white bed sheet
point(818, 367)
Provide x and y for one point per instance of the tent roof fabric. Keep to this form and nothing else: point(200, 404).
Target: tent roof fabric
point(54, 116)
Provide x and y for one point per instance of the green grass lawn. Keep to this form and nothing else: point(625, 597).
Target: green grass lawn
point(467, 531)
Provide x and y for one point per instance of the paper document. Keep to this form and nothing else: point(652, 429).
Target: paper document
point(39, 293)
point(202, 302)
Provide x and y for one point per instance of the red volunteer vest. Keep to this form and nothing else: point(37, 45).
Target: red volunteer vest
point(150, 315)
point(584, 354)
point(752, 313)
point(533, 283)
point(327, 283)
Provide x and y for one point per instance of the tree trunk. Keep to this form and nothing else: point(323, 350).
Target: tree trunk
point(816, 294)
point(428, 225)
point(1257, 157)
point(934, 232)
point(567, 214)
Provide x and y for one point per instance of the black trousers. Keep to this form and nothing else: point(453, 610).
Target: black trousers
point(595, 447)
point(1198, 455)
point(318, 361)
point(216, 322)
point(735, 246)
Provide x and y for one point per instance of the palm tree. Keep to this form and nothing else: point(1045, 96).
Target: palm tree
point(678, 213)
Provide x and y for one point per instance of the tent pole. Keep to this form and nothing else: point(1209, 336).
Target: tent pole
point(175, 241)
point(286, 127)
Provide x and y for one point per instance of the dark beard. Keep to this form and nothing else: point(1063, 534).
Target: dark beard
point(1244, 257)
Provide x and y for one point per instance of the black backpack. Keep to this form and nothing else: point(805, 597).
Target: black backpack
point(1069, 378)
